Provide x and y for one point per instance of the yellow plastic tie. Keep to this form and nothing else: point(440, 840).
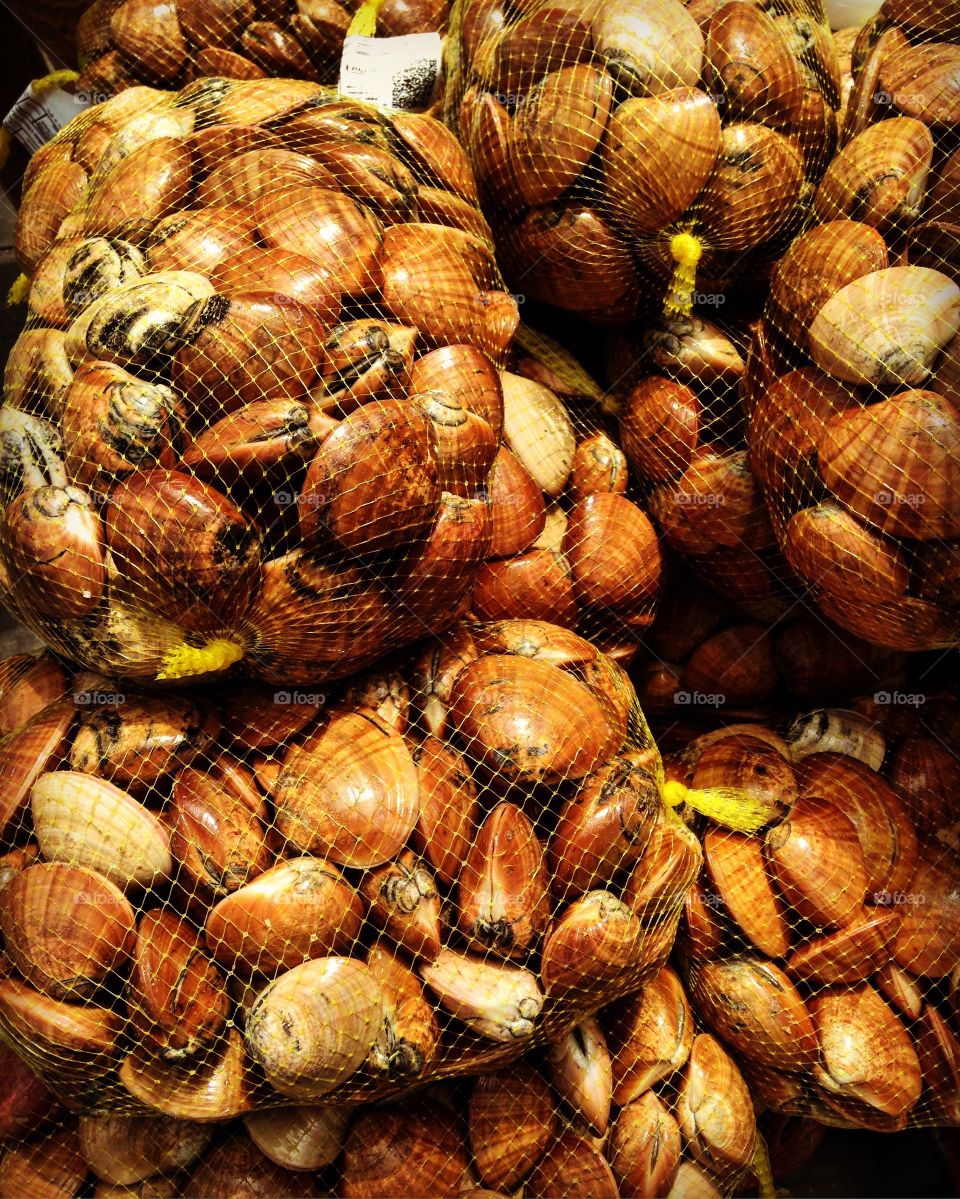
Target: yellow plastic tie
point(762, 1169)
point(364, 23)
point(185, 661)
point(49, 83)
point(687, 250)
point(733, 808)
point(19, 290)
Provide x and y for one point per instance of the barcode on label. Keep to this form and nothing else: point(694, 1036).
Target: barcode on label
point(392, 72)
point(33, 122)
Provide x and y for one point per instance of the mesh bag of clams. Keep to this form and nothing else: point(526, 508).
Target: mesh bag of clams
point(261, 417)
point(642, 152)
point(823, 949)
point(224, 899)
point(121, 43)
point(854, 429)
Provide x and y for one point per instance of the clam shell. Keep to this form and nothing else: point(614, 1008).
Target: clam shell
point(47, 200)
point(880, 177)
point(749, 61)
point(900, 989)
point(830, 548)
point(538, 431)
point(27, 686)
point(816, 266)
point(599, 467)
point(757, 1010)
point(614, 553)
point(177, 998)
point(736, 866)
point(416, 1148)
point(693, 349)
point(715, 1111)
point(646, 140)
point(335, 1005)
point(503, 891)
point(203, 240)
point(265, 101)
point(65, 928)
point(48, 1031)
point(404, 902)
point(660, 427)
point(96, 266)
point(237, 1167)
point(448, 807)
point(216, 828)
point(350, 790)
point(52, 539)
point(434, 153)
point(749, 763)
point(837, 731)
point(274, 274)
point(37, 746)
point(572, 1167)
point(649, 48)
point(849, 955)
point(597, 941)
point(466, 445)
point(497, 1000)
point(581, 1072)
point(300, 909)
point(256, 439)
point(665, 871)
point(114, 423)
point(896, 463)
point(529, 721)
point(374, 482)
point(123, 1151)
point(52, 1167)
point(218, 1088)
point(883, 824)
point(692, 1182)
point(650, 1036)
point(605, 826)
point(142, 740)
point(703, 930)
point(924, 773)
point(88, 822)
point(38, 372)
point(534, 584)
point(300, 1137)
point(440, 571)
point(407, 1042)
point(148, 32)
point(275, 49)
point(738, 664)
point(518, 511)
point(921, 81)
point(241, 178)
point(865, 1051)
point(466, 373)
point(644, 1148)
point(929, 935)
point(373, 175)
point(512, 1121)
point(368, 359)
point(887, 327)
point(815, 857)
point(150, 183)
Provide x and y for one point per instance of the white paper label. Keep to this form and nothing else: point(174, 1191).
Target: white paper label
point(33, 122)
point(392, 72)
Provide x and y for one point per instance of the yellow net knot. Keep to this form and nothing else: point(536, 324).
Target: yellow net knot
point(674, 793)
point(687, 250)
point(19, 290)
point(364, 23)
point(184, 661)
point(733, 808)
point(50, 83)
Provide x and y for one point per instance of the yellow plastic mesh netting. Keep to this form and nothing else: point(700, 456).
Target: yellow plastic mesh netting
point(121, 43)
point(256, 421)
point(636, 157)
point(226, 899)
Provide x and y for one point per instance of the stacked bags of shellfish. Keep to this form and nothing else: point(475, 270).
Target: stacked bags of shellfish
point(122, 43)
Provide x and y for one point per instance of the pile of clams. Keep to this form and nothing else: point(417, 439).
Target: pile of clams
point(855, 427)
point(257, 400)
point(824, 950)
point(599, 131)
point(121, 43)
point(220, 900)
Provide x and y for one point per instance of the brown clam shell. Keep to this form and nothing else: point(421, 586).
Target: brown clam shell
point(148, 32)
point(599, 467)
point(502, 892)
point(518, 507)
point(750, 62)
point(65, 928)
point(665, 870)
point(929, 935)
point(922, 81)
point(757, 1010)
point(201, 240)
point(613, 551)
point(448, 807)
point(903, 992)
point(44, 1028)
point(407, 1042)
point(177, 997)
point(535, 584)
point(256, 438)
point(597, 941)
point(241, 177)
point(466, 445)
point(38, 371)
point(574, 1168)
point(124, 1151)
point(830, 548)
point(434, 153)
point(140, 741)
point(218, 1087)
point(650, 1036)
point(466, 373)
point(850, 954)
point(150, 183)
point(815, 857)
point(415, 1148)
point(581, 1073)
point(645, 1148)
point(925, 774)
point(605, 826)
point(305, 1137)
point(272, 274)
point(529, 721)
point(46, 201)
point(375, 480)
point(237, 1167)
point(737, 664)
point(660, 427)
point(512, 1121)
point(865, 1051)
point(51, 1167)
point(300, 909)
point(404, 902)
point(349, 790)
point(33, 749)
point(657, 154)
point(749, 763)
point(714, 1110)
point(736, 867)
point(703, 930)
point(52, 538)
